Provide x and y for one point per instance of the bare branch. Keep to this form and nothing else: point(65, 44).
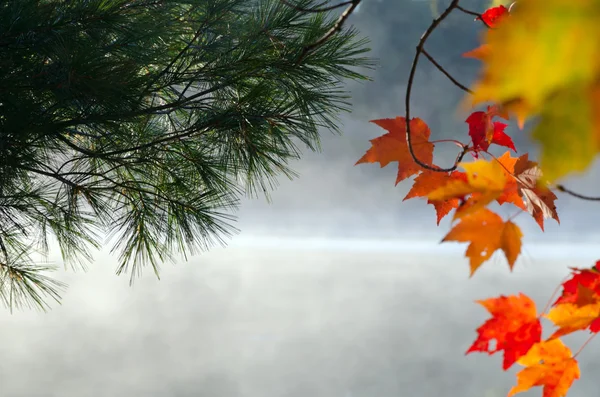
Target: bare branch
point(476, 14)
point(441, 69)
point(419, 50)
point(563, 189)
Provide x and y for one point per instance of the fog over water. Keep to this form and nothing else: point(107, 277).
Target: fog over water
point(344, 319)
point(335, 289)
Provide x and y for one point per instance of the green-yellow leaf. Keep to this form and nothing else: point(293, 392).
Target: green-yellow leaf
point(545, 59)
point(568, 132)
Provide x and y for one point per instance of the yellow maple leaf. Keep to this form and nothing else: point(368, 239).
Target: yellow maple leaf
point(487, 232)
point(486, 178)
point(545, 59)
point(548, 364)
point(570, 317)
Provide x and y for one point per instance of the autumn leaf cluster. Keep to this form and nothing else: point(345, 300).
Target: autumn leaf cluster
point(516, 329)
point(522, 78)
point(505, 180)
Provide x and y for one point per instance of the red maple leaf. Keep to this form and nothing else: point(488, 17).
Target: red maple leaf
point(589, 279)
point(514, 325)
point(483, 131)
point(492, 16)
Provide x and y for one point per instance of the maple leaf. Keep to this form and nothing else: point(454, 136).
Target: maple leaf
point(538, 198)
point(486, 178)
point(567, 114)
point(585, 296)
point(570, 317)
point(537, 76)
point(428, 181)
point(492, 16)
point(480, 53)
point(486, 232)
point(514, 325)
point(393, 147)
point(518, 106)
point(483, 131)
point(443, 208)
point(548, 364)
point(588, 279)
point(512, 192)
point(578, 307)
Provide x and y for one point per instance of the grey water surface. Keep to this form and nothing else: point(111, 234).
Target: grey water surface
point(273, 319)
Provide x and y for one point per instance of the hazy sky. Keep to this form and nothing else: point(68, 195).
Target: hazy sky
point(336, 289)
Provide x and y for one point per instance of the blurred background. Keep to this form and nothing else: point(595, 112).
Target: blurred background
point(336, 288)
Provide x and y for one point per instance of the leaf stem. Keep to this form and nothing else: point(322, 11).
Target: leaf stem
point(584, 344)
point(458, 143)
point(553, 295)
point(510, 218)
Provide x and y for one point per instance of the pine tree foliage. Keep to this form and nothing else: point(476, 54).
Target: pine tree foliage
point(147, 119)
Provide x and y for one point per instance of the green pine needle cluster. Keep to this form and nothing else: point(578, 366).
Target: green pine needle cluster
point(147, 119)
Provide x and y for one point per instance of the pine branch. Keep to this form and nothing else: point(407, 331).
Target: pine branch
point(154, 117)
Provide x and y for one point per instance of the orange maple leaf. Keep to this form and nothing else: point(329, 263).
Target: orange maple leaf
point(514, 325)
point(443, 208)
point(549, 364)
point(486, 179)
point(539, 199)
point(512, 192)
point(393, 147)
point(487, 232)
point(480, 53)
point(428, 181)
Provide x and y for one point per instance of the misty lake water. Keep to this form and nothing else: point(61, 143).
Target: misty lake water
point(281, 320)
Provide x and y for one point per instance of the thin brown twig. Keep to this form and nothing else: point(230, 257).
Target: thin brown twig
point(454, 141)
point(334, 29)
point(441, 69)
point(316, 9)
point(563, 189)
point(411, 78)
point(476, 14)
